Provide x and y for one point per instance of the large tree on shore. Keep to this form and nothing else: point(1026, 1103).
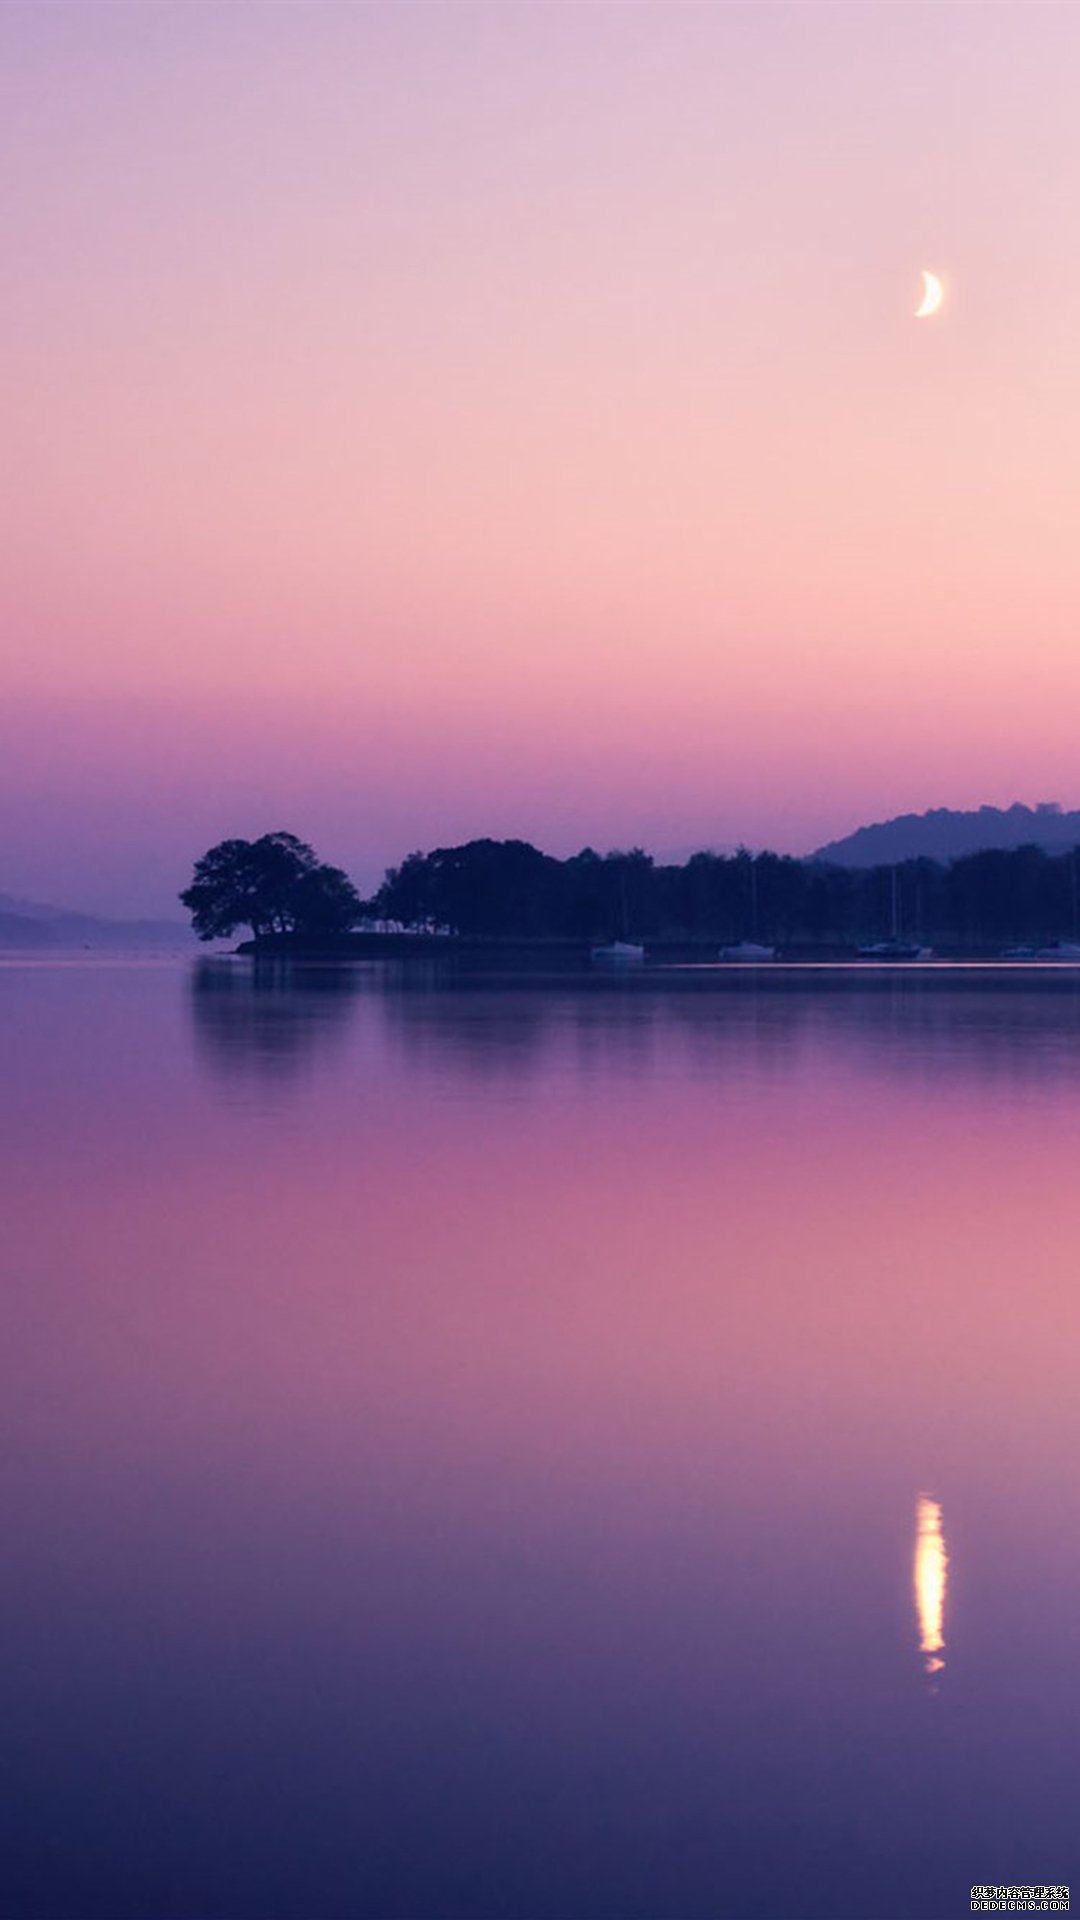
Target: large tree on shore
point(273, 885)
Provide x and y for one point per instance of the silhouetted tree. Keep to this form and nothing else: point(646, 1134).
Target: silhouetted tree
point(272, 885)
point(324, 901)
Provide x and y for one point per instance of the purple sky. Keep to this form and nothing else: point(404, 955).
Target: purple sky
point(436, 420)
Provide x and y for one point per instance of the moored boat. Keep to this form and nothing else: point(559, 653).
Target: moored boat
point(895, 947)
point(894, 950)
point(748, 951)
point(619, 953)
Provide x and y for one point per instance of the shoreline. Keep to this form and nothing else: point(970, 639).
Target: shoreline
point(478, 964)
point(660, 956)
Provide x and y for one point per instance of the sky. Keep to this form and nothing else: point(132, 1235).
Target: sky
point(438, 420)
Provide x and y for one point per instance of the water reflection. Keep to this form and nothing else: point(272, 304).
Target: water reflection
point(931, 1579)
point(274, 1019)
point(919, 1030)
point(269, 1020)
point(443, 1025)
point(414, 1392)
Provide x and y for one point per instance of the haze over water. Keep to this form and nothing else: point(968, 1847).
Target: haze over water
point(465, 1446)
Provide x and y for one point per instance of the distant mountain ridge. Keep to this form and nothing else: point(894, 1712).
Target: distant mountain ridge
point(945, 834)
point(29, 926)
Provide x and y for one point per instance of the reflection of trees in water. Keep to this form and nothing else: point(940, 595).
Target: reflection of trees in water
point(926, 1025)
point(735, 1028)
point(594, 1026)
point(272, 1018)
point(269, 1018)
point(481, 1026)
point(1025, 1032)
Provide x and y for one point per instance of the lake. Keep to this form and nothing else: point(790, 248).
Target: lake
point(465, 1443)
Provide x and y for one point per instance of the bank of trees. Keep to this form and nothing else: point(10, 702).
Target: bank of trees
point(508, 889)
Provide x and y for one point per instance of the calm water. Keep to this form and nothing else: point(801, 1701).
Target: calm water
point(463, 1447)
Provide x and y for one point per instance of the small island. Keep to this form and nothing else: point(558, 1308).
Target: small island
point(509, 897)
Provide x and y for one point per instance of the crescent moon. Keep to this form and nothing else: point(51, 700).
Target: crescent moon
point(933, 295)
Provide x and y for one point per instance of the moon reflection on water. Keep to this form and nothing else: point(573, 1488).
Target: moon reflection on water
point(931, 1581)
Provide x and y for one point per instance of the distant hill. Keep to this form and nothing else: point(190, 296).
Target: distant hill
point(943, 834)
point(30, 926)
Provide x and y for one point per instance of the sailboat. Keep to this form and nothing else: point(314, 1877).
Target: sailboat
point(894, 948)
point(750, 952)
point(619, 953)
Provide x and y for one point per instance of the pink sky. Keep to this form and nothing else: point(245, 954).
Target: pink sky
point(441, 420)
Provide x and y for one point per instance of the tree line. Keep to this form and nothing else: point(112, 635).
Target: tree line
point(508, 889)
